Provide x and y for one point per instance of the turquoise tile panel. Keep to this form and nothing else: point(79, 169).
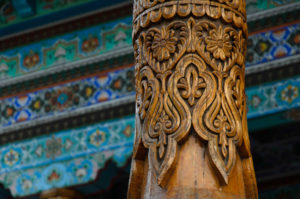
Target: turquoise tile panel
point(273, 97)
point(65, 158)
point(65, 49)
point(108, 37)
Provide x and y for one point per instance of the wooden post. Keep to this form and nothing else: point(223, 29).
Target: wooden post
point(191, 126)
point(60, 194)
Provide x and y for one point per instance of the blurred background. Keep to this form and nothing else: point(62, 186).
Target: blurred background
point(67, 97)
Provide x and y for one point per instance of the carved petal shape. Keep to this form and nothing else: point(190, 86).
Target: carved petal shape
point(162, 121)
point(164, 167)
point(163, 47)
point(148, 96)
point(223, 168)
point(235, 95)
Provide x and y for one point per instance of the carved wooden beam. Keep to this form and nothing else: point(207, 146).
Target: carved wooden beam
point(191, 126)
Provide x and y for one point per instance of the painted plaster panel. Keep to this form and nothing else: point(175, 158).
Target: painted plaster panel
point(67, 97)
point(11, 12)
point(108, 37)
point(273, 45)
point(56, 52)
point(273, 97)
point(254, 6)
point(65, 158)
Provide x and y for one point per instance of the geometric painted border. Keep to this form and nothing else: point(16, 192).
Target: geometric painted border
point(273, 45)
point(67, 97)
point(112, 39)
point(273, 97)
point(116, 87)
point(74, 156)
point(78, 46)
point(264, 9)
point(65, 158)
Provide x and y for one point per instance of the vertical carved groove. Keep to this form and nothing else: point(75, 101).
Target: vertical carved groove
point(190, 75)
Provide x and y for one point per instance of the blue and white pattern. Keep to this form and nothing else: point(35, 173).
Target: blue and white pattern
point(273, 97)
point(272, 45)
point(67, 97)
point(65, 158)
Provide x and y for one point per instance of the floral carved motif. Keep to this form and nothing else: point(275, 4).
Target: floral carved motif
point(190, 75)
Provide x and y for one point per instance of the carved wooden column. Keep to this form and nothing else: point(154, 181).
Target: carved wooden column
point(60, 194)
point(191, 126)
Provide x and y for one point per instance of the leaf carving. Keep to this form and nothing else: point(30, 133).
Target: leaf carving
point(163, 47)
point(220, 46)
point(161, 122)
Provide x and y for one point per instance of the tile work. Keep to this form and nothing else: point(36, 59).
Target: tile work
point(67, 97)
point(9, 12)
point(75, 46)
point(108, 37)
point(272, 45)
point(65, 158)
point(254, 6)
point(273, 97)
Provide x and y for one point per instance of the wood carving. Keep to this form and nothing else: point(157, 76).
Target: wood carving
point(190, 72)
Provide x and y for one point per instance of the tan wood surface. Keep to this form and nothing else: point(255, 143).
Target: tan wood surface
point(60, 194)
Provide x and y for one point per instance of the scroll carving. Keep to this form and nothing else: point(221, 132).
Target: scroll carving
point(190, 75)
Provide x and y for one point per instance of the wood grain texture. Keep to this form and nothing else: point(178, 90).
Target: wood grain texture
point(191, 125)
point(60, 194)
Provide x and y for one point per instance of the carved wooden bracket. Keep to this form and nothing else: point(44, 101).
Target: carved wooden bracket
point(190, 72)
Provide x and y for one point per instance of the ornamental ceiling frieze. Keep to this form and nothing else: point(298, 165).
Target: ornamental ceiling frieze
point(80, 48)
point(12, 14)
point(64, 98)
point(254, 6)
point(273, 45)
point(274, 97)
point(65, 158)
point(118, 85)
point(91, 43)
point(74, 156)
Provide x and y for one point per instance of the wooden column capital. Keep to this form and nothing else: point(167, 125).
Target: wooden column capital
point(191, 125)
